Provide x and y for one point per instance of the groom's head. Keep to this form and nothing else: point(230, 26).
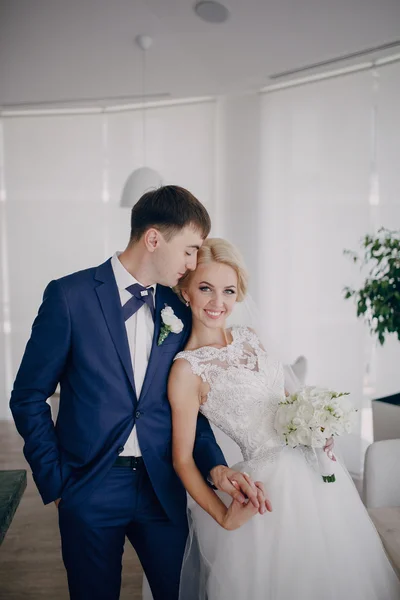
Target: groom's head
point(170, 224)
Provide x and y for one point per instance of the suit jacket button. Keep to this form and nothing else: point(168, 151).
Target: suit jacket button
point(120, 449)
point(137, 414)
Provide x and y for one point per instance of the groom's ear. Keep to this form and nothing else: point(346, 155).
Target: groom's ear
point(151, 239)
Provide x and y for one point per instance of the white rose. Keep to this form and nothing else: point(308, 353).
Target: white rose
point(167, 315)
point(318, 439)
point(339, 413)
point(171, 320)
point(303, 436)
point(318, 418)
point(176, 325)
point(281, 419)
point(292, 440)
point(305, 412)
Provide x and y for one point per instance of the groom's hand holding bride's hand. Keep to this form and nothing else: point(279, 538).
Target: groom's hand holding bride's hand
point(240, 486)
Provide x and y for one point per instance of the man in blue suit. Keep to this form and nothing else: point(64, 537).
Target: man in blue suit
point(107, 462)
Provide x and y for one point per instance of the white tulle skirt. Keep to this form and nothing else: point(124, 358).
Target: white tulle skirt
point(318, 543)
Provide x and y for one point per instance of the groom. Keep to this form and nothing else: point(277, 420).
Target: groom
point(107, 462)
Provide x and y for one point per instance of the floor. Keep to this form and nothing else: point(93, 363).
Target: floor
point(31, 567)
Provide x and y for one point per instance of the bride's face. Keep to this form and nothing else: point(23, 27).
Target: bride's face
point(212, 293)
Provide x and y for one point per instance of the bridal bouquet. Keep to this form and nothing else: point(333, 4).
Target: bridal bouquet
point(309, 417)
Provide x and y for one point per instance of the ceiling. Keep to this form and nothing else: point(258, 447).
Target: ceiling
point(54, 51)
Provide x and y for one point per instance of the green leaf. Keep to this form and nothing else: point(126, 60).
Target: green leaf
point(378, 300)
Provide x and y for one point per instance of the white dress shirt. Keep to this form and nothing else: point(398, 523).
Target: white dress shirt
point(140, 330)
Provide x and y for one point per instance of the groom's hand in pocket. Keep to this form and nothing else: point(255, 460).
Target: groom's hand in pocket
point(240, 486)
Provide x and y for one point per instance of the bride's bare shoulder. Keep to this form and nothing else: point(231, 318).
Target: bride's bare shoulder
point(182, 373)
point(181, 367)
point(183, 384)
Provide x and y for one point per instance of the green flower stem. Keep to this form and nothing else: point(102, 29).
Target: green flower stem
point(164, 333)
point(329, 478)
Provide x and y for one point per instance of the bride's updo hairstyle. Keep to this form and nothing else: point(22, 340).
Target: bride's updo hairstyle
point(220, 251)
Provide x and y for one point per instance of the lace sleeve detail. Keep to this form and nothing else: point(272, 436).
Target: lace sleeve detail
point(197, 367)
point(250, 335)
point(210, 363)
point(245, 388)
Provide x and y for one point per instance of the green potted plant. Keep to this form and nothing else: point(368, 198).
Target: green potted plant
point(378, 300)
point(378, 303)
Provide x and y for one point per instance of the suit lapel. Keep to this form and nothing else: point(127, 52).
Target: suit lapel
point(156, 350)
point(110, 303)
point(165, 296)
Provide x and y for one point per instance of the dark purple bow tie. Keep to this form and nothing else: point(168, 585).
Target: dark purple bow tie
point(140, 296)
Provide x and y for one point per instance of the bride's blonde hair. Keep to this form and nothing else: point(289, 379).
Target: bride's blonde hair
point(220, 251)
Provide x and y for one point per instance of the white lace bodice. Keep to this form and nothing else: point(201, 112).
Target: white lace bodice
point(245, 387)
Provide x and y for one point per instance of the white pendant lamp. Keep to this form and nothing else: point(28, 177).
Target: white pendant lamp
point(144, 178)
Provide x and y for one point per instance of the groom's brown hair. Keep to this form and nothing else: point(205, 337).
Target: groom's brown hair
point(169, 209)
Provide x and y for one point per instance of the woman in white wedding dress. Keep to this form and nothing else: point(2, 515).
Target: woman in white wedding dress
point(318, 543)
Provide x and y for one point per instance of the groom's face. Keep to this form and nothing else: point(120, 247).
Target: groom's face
point(174, 258)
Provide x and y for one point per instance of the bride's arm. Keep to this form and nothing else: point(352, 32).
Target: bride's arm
point(184, 397)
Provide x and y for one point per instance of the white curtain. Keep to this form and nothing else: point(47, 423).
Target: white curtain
point(316, 165)
point(63, 178)
point(285, 175)
point(387, 374)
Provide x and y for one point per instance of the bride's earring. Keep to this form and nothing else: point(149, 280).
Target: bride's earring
point(187, 303)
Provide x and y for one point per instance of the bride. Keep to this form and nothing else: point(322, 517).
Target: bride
point(318, 542)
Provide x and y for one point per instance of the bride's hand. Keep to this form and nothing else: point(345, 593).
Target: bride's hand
point(238, 514)
point(240, 486)
point(329, 448)
point(263, 501)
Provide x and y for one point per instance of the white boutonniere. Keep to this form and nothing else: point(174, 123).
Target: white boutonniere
point(171, 324)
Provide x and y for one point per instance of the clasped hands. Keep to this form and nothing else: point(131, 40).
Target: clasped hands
point(249, 497)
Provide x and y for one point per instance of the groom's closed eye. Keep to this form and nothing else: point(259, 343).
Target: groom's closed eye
point(193, 250)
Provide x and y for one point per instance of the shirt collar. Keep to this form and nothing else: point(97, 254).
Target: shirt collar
point(122, 277)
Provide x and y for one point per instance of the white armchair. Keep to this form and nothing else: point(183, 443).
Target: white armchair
point(382, 493)
point(386, 417)
point(382, 474)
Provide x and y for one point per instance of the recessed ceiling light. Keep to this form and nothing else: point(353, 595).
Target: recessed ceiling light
point(212, 12)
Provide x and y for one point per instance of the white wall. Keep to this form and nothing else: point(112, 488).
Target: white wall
point(63, 180)
point(387, 376)
point(238, 176)
point(294, 191)
point(316, 184)
point(285, 176)
point(317, 153)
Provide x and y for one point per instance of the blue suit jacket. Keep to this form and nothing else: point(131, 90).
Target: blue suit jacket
point(79, 340)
